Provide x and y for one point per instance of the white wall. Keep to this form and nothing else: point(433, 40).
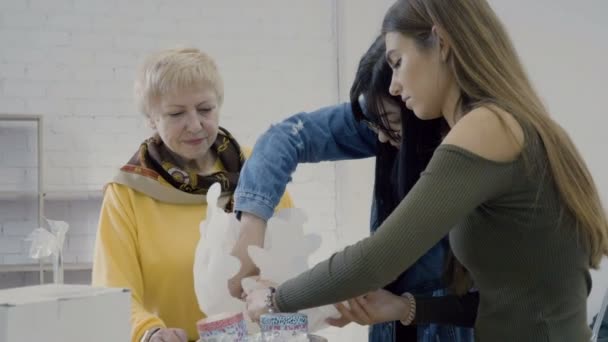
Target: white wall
point(73, 61)
point(359, 24)
point(564, 45)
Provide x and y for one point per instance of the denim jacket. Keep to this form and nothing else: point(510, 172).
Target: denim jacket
point(330, 134)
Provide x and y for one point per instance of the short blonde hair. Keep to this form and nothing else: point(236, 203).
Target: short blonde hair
point(171, 70)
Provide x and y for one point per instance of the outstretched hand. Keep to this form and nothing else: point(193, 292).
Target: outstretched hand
point(257, 299)
point(374, 307)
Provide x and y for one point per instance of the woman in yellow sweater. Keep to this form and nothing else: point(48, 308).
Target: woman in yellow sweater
point(149, 223)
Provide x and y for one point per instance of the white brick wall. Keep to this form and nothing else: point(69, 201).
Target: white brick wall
point(18, 156)
point(18, 219)
point(74, 62)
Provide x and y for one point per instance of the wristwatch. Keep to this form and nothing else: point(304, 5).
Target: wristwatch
point(270, 302)
point(148, 334)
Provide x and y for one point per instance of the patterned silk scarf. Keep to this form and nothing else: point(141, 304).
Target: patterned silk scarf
point(154, 171)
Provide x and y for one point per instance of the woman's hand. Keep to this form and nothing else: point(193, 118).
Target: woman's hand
point(169, 335)
point(253, 230)
point(257, 299)
point(375, 307)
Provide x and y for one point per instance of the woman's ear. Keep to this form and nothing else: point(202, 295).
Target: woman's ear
point(443, 44)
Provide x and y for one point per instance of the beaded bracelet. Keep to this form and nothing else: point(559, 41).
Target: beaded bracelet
point(412, 314)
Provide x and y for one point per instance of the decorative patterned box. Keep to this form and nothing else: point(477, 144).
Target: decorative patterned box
point(283, 326)
point(223, 327)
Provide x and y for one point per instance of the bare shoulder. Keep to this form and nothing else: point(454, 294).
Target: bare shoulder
point(489, 132)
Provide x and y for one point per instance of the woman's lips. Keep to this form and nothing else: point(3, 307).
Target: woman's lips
point(194, 141)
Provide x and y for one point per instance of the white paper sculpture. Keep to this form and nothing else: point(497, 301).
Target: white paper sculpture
point(213, 264)
point(285, 255)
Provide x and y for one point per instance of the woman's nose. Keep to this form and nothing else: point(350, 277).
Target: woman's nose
point(394, 88)
point(194, 122)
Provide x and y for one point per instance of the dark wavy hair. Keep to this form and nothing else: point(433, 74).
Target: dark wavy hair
point(419, 138)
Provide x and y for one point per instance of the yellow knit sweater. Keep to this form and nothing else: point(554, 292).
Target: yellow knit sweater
point(148, 247)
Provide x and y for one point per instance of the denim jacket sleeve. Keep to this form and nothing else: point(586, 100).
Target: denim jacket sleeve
point(328, 134)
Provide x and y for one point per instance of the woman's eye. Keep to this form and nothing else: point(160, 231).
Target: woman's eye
point(397, 64)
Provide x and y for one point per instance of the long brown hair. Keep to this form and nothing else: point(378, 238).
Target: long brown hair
point(488, 71)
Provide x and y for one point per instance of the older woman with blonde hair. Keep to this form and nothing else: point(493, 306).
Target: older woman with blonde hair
point(149, 223)
point(520, 206)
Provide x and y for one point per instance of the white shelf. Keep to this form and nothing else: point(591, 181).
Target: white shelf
point(46, 267)
point(73, 195)
point(15, 195)
point(52, 195)
point(20, 117)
